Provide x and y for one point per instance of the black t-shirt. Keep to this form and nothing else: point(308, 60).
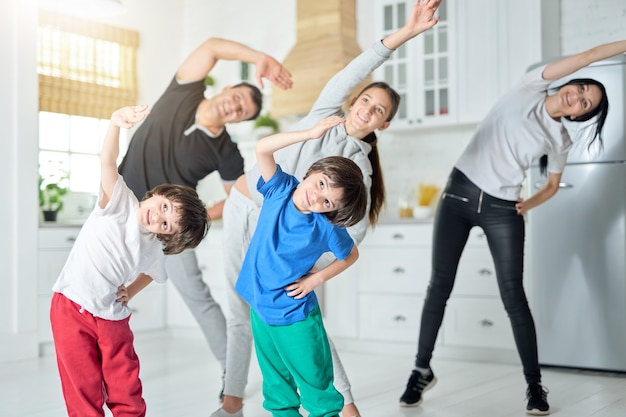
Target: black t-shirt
point(160, 152)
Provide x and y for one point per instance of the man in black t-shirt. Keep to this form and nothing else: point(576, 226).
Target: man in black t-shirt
point(183, 140)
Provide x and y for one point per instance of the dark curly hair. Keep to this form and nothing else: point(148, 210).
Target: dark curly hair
point(345, 174)
point(194, 220)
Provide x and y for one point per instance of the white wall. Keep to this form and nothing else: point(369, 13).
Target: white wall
point(589, 23)
point(18, 170)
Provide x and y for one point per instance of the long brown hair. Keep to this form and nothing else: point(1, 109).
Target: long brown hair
point(377, 190)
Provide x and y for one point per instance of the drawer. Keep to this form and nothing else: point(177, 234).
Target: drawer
point(476, 274)
point(399, 235)
point(395, 270)
point(477, 322)
point(57, 238)
point(51, 262)
point(390, 317)
point(148, 308)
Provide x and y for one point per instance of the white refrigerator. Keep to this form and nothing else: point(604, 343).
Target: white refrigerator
point(577, 243)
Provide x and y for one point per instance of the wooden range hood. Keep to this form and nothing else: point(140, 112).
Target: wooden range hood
point(325, 43)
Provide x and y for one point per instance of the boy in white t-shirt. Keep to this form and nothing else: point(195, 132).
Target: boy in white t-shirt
point(122, 241)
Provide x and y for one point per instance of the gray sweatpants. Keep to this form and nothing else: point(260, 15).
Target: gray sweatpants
point(184, 272)
point(240, 217)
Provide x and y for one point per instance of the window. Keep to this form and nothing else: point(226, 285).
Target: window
point(86, 71)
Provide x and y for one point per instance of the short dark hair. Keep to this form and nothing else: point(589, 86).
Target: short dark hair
point(257, 97)
point(194, 220)
point(345, 174)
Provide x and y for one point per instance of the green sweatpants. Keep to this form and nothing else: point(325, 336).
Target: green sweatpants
point(296, 357)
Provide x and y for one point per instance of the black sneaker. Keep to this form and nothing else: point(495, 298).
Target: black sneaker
point(417, 384)
point(537, 396)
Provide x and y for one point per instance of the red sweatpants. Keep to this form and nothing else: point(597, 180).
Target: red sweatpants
point(97, 362)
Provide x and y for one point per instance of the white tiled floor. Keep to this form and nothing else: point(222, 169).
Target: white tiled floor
point(181, 378)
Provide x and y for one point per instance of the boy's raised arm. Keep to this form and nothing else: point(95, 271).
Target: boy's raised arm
point(125, 117)
point(266, 147)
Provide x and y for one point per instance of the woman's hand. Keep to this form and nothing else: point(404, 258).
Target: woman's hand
point(421, 18)
point(521, 210)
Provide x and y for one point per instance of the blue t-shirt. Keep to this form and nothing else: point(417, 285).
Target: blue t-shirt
point(285, 247)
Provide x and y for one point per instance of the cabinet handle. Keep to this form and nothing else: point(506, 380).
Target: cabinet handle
point(484, 272)
point(397, 236)
point(398, 270)
point(486, 323)
point(71, 239)
point(399, 318)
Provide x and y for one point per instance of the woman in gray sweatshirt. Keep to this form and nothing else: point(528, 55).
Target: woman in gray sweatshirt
point(373, 109)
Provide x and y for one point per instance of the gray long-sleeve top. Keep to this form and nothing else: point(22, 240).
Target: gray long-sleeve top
point(297, 158)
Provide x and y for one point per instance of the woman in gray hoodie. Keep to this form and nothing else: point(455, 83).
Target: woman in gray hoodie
point(373, 109)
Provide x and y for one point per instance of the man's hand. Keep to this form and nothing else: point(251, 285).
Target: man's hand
point(268, 67)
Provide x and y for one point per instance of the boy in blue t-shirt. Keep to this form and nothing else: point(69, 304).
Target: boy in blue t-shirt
point(297, 224)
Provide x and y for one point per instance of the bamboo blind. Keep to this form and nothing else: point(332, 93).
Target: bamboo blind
point(85, 68)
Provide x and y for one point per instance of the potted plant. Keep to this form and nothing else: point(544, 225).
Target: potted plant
point(265, 125)
point(209, 86)
point(52, 188)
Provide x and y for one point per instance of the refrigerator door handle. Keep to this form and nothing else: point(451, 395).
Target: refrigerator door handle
point(540, 184)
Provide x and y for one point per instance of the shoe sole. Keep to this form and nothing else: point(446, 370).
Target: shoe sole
point(426, 388)
point(535, 412)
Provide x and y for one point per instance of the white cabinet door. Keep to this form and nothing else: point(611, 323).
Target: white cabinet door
point(497, 40)
point(477, 322)
point(390, 318)
point(54, 245)
point(422, 70)
point(455, 72)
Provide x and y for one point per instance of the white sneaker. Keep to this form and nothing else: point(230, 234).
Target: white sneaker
point(221, 413)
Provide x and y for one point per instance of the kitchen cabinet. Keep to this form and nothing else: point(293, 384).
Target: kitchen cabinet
point(453, 73)
point(211, 262)
point(421, 70)
point(54, 246)
point(475, 316)
point(376, 305)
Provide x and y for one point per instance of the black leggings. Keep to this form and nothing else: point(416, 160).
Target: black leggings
point(463, 205)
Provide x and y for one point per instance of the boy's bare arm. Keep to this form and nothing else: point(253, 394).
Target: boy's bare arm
point(125, 117)
point(266, 147)
point(308, 283)
point(125, 294)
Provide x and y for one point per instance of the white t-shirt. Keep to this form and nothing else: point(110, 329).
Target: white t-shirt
point(517, 130)
point(110, 250)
